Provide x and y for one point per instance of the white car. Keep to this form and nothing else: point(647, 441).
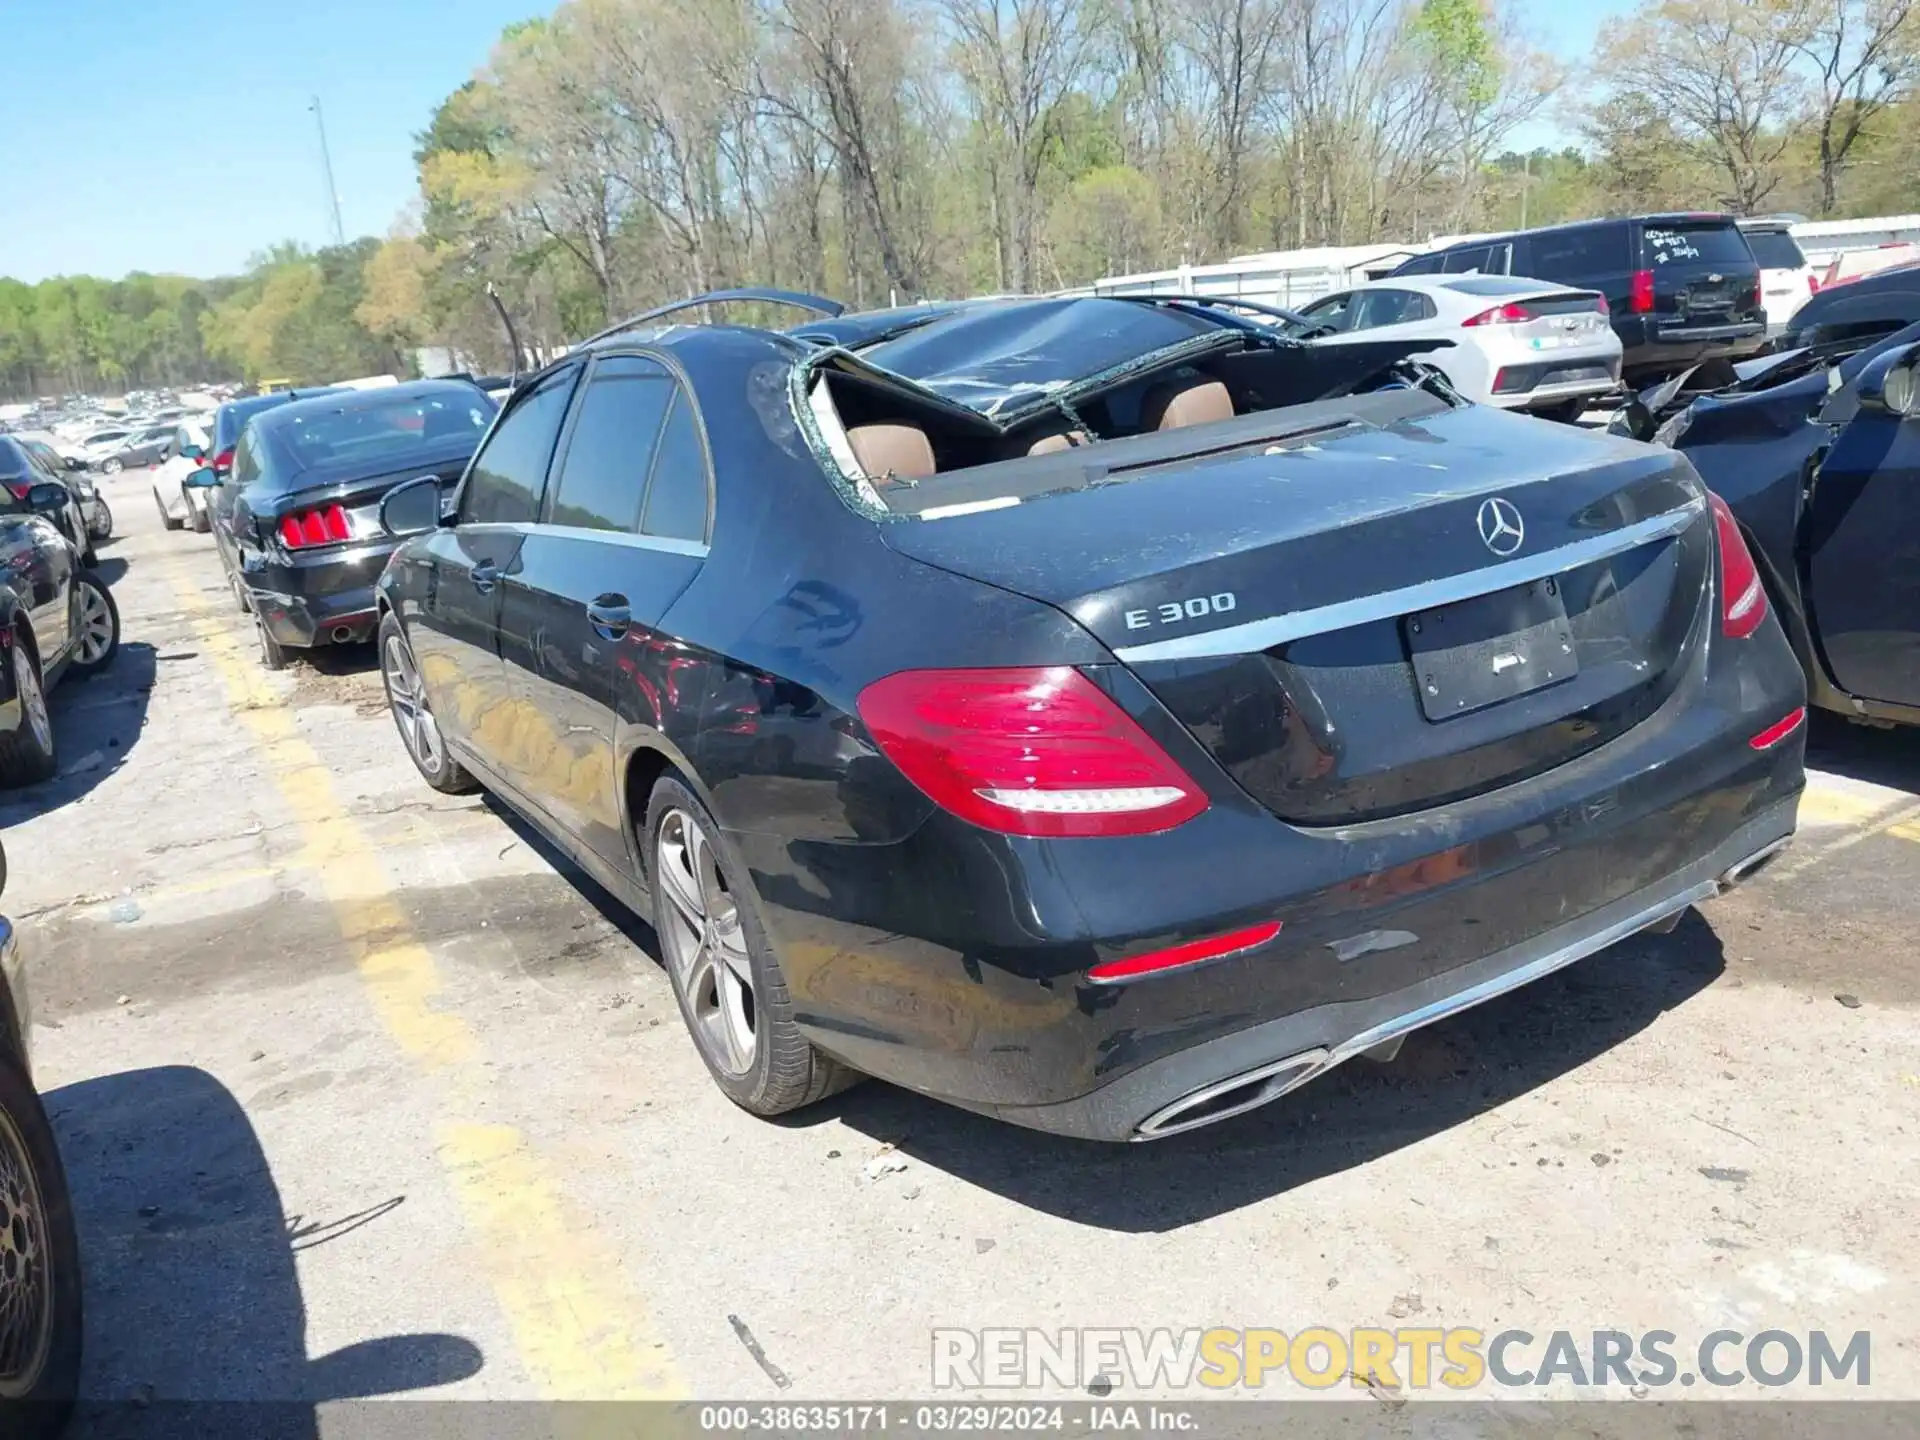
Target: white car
point(1518, 344)
point(1786, 279)
point(178, 503)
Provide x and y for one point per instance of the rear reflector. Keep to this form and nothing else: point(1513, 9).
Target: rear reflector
point(1640, 300)
point(1194, 952)
point(305, 529)
point(1774, 734)
point(1030, 751)
point(1743, 598)
point(1500, 315)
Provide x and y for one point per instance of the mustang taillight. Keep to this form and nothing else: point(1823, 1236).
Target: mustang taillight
point(1514, 314)
point(1030, 751)
point(304, 529)
point(223, 462)
point(1743, 598)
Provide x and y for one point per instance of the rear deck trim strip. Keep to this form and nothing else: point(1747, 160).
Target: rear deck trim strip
point(1253, 635)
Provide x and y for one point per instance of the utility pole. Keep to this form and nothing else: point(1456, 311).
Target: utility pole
point(326, 169)
point(1526, 183)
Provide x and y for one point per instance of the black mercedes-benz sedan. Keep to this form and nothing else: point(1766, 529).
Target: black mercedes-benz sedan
point(1103, 714)
point(296, 518)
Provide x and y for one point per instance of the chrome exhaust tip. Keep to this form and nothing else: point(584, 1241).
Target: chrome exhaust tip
point(1235, 1095)
point(342, 634)
point(1744, 870)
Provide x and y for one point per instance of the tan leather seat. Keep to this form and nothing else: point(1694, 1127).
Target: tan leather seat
point(1180, 403)
point(1058, 441)
point(891, 453)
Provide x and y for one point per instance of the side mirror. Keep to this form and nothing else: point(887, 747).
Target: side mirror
point(202, 479)
point(47, 496)
point(193, 452)
point(74, 462)
point(1889, 383)
point(412, 508)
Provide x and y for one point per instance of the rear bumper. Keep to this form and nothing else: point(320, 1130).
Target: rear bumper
point(955, 962)
point(1238, 1072)
point(1650, 345)
point(303, 603)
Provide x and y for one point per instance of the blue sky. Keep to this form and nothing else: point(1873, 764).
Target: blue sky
point(175, 135)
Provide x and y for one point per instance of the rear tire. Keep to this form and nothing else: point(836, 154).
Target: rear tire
point(101, 526)
point(413, 716)
point(28, 752)
point(41, 1330)
point(273, 655)
point(111, 467)
point(733, 995)
point(165, 518)
point(99, 626)
point(198, 517)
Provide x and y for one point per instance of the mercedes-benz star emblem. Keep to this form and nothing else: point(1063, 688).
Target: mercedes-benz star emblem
point(1501, 526)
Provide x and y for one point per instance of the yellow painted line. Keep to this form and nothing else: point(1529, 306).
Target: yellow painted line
point(580, 1331)
point(1827, 805)
point(1908, 831)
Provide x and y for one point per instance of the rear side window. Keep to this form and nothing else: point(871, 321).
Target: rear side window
point(1575, 255)
point(1477, 260)
point(677, 494)
point(13, 461)
point(1775, 250)
point(1392, 307)
point(506, 478)
point(1708, 244)
point(1422, 265)
point(604, 475)
point(246, 460)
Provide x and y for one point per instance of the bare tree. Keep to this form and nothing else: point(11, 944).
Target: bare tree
point(1864, 55)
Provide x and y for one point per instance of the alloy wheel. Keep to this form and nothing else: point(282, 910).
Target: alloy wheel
point(26, 683)
point(408, 699)
point(704, 942)
point(96, 624)
point(26, 1288)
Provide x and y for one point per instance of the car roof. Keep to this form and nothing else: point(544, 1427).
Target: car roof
point(1678, 217)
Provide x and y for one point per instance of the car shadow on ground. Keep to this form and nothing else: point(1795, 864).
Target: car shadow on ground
point(1863, 752)
point(1444, 1076)
point(191, 1292)
point(613, 910)
point(352, 659)
point(96, 724)
point(110, 568)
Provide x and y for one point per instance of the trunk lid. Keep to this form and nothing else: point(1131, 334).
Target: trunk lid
point(1328, 619)
point(1704, 273)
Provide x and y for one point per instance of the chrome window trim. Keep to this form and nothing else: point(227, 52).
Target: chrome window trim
point(1255, 635)
point(632, 541)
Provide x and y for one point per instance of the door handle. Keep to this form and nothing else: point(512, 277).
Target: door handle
point(485, 576)
point(610, 616)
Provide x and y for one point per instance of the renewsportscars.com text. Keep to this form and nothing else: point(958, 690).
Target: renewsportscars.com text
point(1406, 1358)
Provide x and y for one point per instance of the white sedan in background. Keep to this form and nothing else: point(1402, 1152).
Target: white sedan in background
point(178, 504)
point(1518, 344)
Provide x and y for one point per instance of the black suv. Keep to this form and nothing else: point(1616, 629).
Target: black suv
point(1680, 288)
point(231, 418)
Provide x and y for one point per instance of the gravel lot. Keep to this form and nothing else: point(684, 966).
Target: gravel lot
point(337, 1060)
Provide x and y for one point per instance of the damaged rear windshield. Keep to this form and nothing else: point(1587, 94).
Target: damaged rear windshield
point(997, 356)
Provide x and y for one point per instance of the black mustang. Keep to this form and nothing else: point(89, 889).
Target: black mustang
point(1818, 452)
point(1103, 714)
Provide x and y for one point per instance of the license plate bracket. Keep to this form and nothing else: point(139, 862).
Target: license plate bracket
point(1491, 648)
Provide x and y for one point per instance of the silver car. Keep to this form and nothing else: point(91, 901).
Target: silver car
point(1518, 344)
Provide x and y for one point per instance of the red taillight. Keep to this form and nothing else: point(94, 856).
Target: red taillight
point(1501, 315)
point(1758, 291)
point(1640, 301)
point(1779, 730)
point(1028, 751)
point(223, 462)
point(1194, 952)
point(1600, 305)
point(19, 491)
point(306, 528)
point(1813, 284)
point(1743, 598)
